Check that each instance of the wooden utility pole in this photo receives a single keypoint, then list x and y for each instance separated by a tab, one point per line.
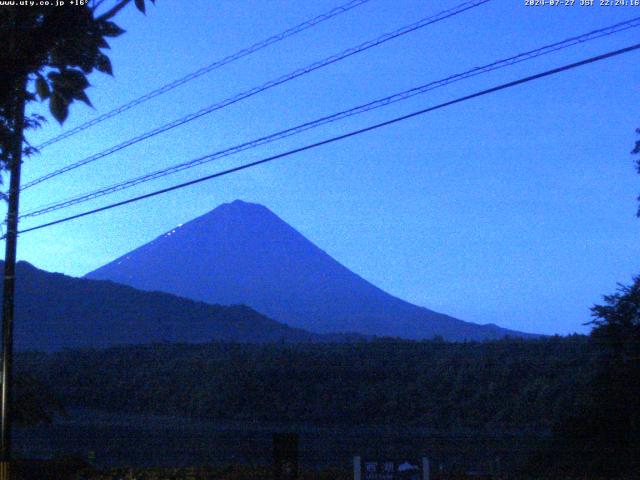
11	238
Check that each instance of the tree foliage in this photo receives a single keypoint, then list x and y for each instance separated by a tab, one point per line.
47	52
617	322
511	384
35	402
475	399
635	151
601	437
616	389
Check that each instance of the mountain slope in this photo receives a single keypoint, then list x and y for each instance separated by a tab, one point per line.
54	311
242	253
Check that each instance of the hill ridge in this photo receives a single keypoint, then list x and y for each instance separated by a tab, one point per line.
55	311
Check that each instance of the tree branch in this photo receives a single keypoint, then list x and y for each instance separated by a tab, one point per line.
116	8
96	4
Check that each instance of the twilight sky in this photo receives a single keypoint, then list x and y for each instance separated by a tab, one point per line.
516	208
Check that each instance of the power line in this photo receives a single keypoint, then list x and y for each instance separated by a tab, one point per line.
617	28
266	86
209	68
343	136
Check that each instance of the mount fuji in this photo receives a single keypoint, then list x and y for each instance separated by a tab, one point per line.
242	253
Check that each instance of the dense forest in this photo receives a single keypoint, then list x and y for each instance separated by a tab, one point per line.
553	407
513	385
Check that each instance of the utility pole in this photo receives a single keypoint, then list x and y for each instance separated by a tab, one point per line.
11	238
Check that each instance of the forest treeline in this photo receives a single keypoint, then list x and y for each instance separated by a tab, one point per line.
514	385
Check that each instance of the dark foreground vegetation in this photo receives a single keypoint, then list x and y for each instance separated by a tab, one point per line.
513	385
549	407
76	469
463	403
236	472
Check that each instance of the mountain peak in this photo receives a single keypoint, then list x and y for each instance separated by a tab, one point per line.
240	205
238	209
243	253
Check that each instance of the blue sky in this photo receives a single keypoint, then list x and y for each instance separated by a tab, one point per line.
516	208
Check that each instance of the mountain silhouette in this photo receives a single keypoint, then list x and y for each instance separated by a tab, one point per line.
54	311
242	253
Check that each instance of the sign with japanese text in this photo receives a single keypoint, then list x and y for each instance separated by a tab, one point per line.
391	470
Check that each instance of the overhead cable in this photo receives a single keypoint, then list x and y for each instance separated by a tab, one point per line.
266	86
204	70
617	28
353	133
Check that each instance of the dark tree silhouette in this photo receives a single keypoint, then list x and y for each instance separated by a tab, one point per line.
635	151
617	383
602	438
46	52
